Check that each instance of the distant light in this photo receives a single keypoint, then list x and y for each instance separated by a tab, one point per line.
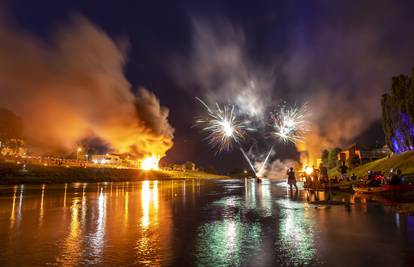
150	163
308	170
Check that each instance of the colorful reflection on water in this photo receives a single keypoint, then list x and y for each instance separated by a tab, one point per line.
199	222
296	233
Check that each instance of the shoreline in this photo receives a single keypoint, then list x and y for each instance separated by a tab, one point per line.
11	174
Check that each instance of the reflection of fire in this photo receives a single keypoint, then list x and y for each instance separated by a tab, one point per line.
150	163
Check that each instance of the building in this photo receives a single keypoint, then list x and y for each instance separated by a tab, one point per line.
13	148
188	166
363	154
111	159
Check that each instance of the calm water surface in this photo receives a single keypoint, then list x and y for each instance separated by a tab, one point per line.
196	223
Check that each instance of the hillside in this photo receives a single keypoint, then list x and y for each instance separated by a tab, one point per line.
403	161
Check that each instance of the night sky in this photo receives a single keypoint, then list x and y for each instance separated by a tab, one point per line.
348	49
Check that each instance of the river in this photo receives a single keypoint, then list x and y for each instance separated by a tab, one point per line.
197	223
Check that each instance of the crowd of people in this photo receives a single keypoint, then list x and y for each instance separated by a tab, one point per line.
320	177
378	178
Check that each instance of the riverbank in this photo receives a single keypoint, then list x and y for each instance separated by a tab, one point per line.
38	174
403	161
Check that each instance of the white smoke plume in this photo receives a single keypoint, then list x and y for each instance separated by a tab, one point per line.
220	67
277	169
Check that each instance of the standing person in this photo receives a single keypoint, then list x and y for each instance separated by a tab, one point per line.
343	170
323	173
292	179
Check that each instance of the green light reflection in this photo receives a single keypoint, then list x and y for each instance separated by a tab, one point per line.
296	232
224	243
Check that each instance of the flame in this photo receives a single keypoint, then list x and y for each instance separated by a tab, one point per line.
150	163
308	170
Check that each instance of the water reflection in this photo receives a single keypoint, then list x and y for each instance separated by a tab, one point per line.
196	222
71	248
296	233
154	239
149	203
96	241
225	243
231	236
64	195
12	219
41	210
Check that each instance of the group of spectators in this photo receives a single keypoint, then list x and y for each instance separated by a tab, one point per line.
319	177
377	178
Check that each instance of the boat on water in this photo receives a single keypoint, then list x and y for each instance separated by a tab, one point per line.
382	188
341	186
345	185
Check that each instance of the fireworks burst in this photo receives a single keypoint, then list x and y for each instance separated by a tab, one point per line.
291	123
222	126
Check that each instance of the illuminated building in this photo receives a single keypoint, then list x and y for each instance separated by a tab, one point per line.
13	148
111	159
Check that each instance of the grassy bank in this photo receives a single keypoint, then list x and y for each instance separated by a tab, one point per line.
404	161
37	174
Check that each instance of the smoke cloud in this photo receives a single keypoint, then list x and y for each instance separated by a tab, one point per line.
340	110
221	69
340	65
74	87
277	169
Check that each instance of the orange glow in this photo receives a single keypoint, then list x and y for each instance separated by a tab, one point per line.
150	163
308	170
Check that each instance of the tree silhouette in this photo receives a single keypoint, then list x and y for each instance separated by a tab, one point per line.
11	126
398	114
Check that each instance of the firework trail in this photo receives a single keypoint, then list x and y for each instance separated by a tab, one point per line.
248	161
290	123
222	126
265	162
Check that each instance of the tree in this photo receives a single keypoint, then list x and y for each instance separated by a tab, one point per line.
211	169
354	161
189	166
333	157
325	157
11	126
398	114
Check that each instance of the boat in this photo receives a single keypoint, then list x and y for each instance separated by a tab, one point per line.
382	189
314	188
341	186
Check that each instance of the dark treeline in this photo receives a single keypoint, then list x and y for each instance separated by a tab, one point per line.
398	114
11	126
